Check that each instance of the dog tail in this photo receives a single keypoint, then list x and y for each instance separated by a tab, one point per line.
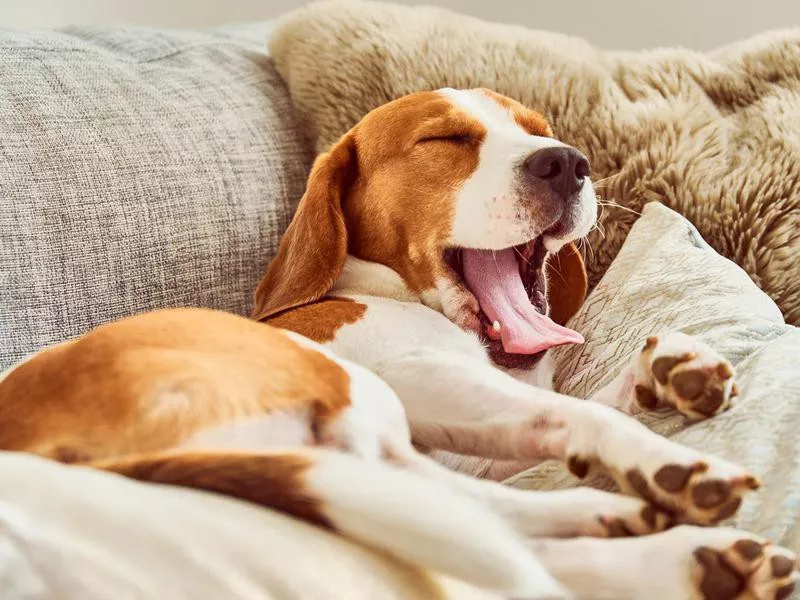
410	517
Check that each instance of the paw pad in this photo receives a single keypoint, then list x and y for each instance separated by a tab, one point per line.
664	365
782	566
749	550
647	521
578	466
673	478
742	571
718	582
710	494
645	397
690	493
686	374
615	527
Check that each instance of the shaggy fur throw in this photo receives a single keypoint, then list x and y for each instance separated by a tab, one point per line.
714	136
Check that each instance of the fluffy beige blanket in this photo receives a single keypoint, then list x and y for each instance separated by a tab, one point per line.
714	136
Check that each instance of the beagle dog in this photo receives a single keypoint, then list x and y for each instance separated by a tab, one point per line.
404	323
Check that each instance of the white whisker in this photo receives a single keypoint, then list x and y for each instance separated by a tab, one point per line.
613	204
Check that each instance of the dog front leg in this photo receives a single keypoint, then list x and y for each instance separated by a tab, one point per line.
463	405
562	513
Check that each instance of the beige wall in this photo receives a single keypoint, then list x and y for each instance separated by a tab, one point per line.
623	24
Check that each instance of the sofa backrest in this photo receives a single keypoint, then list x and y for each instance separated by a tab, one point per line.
139	169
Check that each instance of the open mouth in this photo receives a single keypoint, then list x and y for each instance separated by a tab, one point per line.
509	285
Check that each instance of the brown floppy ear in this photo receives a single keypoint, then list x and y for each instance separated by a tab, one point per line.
313	249
567	283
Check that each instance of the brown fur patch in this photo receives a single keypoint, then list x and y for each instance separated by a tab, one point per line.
401	216
272	480
530	120
413	152
359	197
149	382
313	249
321	320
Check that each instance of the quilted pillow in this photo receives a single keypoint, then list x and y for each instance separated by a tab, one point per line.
667	278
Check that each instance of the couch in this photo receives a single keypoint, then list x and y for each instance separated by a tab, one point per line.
145	168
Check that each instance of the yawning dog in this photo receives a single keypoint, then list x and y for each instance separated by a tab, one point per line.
427	271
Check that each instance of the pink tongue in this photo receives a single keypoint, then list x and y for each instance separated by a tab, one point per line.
493	276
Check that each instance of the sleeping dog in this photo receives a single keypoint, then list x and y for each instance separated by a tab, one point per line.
427	271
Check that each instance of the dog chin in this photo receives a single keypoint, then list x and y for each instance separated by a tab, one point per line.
510	361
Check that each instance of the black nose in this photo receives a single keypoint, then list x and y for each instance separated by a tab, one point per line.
563	168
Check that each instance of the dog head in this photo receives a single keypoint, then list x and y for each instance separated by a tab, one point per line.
465	194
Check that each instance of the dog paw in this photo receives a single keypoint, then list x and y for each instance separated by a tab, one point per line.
702	491
644	520
684	563
727	564
682	372
596	513
688	486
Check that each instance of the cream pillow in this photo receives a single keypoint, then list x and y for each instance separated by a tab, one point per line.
667	278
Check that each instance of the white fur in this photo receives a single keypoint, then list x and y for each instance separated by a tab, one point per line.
443	376
375	416
364	277
414	371
389	506
409	515
276	429
460	403
620	392
490	211
425	523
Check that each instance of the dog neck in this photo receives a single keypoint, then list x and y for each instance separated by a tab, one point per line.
365	278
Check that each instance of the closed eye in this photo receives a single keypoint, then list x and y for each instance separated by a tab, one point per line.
456	138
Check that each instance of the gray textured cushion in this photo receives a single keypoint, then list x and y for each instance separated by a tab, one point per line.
138	169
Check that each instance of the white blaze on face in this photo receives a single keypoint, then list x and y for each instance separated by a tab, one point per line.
490	213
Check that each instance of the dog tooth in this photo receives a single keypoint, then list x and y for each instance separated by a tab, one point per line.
496	325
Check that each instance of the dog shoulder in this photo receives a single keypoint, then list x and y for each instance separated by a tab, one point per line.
321	320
